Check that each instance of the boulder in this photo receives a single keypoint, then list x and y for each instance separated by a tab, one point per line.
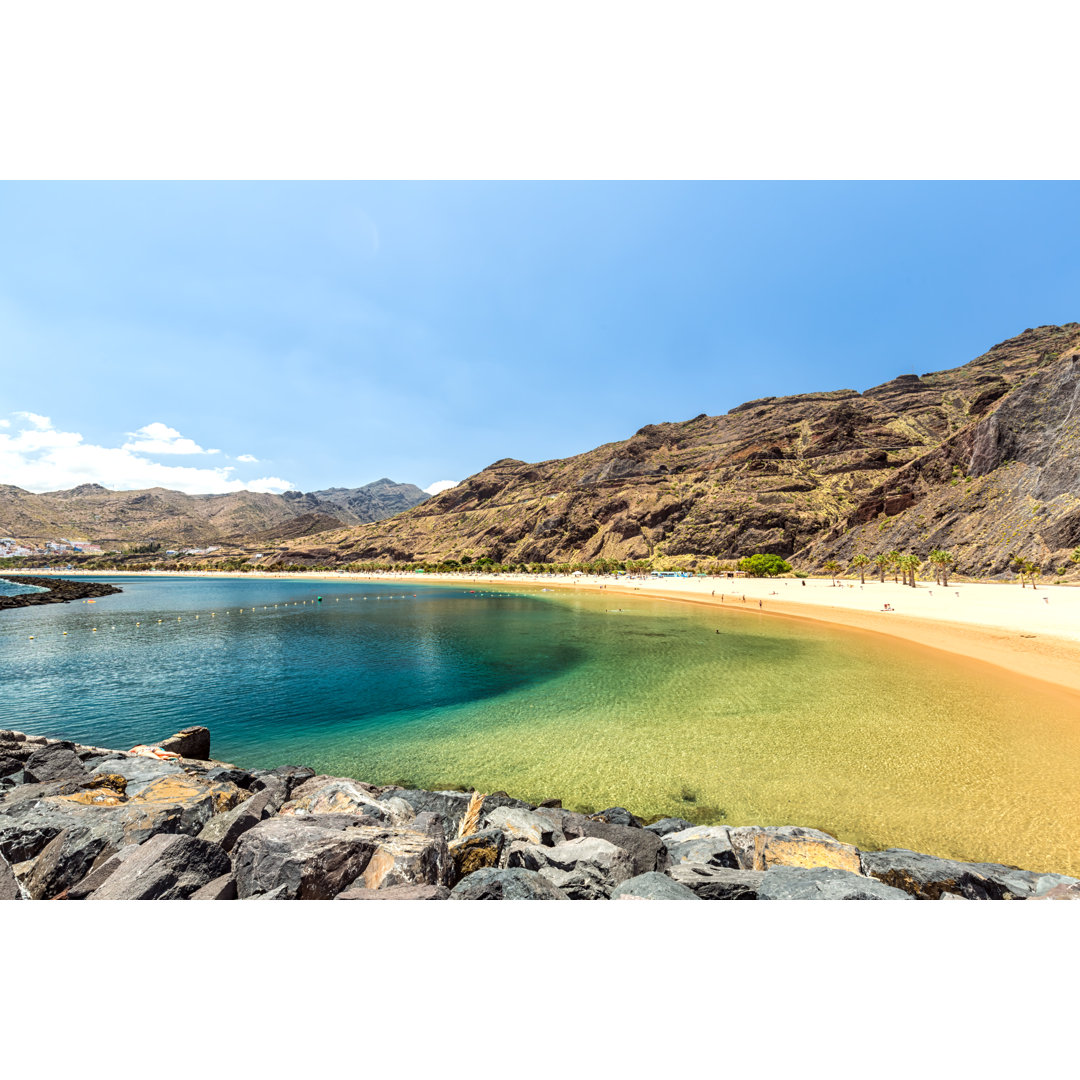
704	845
618	815
306	858
9	766
449	806
823	883
221	888
585	868
10	889
67	859
646	850
314	784
340	796
405	857
652	886
927	877
759	847
669	825
192	742
57	761
492	883
225	829
717	882
291	775
528	826
474	852
97	877
167	867
397	892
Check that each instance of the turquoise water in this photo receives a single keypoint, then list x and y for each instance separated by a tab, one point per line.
596	700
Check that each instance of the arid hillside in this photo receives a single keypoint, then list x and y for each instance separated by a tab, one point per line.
981	458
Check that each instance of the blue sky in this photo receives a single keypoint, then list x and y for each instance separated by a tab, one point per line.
340	332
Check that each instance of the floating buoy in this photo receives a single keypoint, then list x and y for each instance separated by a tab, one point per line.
138	624
94	629
31	637
65	633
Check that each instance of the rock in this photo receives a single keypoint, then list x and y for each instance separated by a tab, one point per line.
550	804
10	889
525	825
474	852
227	774
652	886
67	859
168	867
57	761
717	882
585	868
280	893
9	766
669	825
340	796
397	892
139	772
425	822
406	857
1070	891
313	784
823	883
646	850
97	877
492	883
706	845
450	806
307	858
759	847
291	775
221	888
225	829
192	742
927	877
618	815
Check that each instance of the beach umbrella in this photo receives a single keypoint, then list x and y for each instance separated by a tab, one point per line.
578	573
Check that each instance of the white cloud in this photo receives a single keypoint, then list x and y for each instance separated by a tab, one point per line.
40	458
441	485
247	457
159	438
5	423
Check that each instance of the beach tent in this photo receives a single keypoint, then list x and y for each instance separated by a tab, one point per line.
578	573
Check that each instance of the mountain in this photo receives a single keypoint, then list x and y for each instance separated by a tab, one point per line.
375	501
92	512
983	459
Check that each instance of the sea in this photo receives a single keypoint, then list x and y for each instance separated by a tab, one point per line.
668	709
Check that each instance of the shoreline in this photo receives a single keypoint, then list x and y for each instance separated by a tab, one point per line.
1033	633
58	591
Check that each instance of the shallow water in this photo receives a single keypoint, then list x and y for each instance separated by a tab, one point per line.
771	721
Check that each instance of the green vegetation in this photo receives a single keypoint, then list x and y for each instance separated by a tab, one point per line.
764	565
860	563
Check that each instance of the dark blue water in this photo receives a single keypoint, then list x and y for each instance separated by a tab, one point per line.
262	663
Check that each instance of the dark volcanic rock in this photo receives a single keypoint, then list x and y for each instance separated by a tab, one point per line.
307	858
292	776
450	806
169	867
102	871
139	772
60	591
515	884
822	883
191	742
708	845
669	825
57	761
717	882
927	877
225	829
652	886
585	868
646	850
67	859
617	815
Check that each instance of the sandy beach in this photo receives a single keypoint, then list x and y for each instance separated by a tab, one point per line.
1030	632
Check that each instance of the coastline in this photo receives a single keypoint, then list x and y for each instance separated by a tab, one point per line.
1033	633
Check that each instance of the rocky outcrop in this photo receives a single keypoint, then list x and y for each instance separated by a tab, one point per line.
84	823
57	591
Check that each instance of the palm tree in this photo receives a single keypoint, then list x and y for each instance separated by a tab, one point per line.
942	562
881	563
1033	571
910	564
894	565
832	568
860	563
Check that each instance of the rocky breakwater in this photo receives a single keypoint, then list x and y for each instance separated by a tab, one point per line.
60	591
167	822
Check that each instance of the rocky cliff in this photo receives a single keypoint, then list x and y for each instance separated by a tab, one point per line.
980	458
